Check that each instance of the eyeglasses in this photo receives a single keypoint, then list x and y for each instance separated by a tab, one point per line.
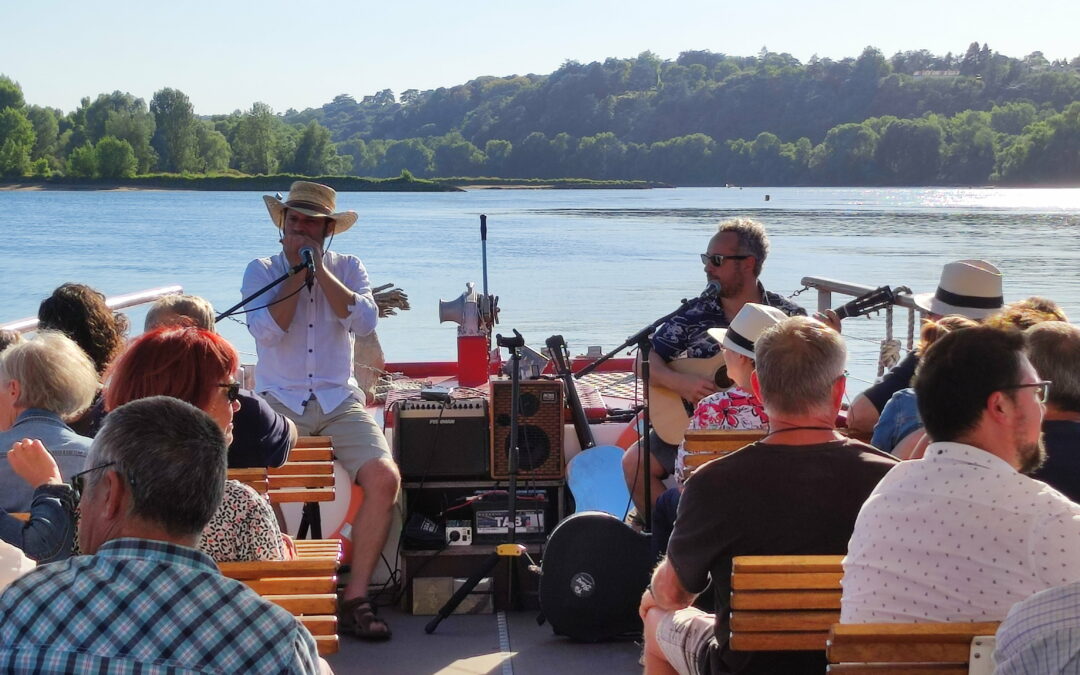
232	390
717	260
78	483
1042	389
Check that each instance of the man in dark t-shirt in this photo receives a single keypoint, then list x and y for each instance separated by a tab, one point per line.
797	492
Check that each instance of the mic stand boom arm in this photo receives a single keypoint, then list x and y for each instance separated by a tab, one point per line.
232	310
644	344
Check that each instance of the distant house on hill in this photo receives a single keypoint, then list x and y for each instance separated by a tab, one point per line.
919	74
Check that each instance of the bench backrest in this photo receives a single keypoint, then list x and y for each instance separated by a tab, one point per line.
705	445
784	603
308	475
911	647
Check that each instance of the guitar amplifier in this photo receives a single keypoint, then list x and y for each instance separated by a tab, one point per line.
540	429
435	440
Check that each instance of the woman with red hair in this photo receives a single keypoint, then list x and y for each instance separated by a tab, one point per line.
197	366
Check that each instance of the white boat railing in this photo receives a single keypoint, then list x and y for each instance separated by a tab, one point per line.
116	302
826	287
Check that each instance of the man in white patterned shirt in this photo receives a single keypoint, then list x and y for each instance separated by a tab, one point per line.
962	534
303	337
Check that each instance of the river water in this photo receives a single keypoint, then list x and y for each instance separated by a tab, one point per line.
592	265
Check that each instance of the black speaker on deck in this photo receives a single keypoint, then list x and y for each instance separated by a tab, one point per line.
435	440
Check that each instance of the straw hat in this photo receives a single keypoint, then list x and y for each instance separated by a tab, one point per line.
970	288
746	327
311	199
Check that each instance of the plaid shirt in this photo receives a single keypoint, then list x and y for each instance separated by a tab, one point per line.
142	606
687	332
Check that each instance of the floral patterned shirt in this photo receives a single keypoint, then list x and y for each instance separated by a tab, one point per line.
243	528
733	410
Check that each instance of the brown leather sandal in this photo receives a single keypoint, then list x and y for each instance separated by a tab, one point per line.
358	617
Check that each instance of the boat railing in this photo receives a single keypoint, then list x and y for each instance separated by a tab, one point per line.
116	302
903	298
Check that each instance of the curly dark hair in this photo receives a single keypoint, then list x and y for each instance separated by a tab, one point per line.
80	312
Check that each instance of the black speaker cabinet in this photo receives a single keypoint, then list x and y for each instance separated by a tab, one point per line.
436	441
540	429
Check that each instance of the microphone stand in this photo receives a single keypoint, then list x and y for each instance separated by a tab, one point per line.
232	310
642	340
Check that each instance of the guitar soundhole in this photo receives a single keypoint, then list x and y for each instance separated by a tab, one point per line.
721	378
534	447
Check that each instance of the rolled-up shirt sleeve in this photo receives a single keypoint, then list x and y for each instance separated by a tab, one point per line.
363	314
260	322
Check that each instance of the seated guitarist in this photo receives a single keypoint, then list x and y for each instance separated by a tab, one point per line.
734	259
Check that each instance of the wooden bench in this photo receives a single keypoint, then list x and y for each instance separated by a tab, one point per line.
305	587
307	477
705	445
865	649
784	602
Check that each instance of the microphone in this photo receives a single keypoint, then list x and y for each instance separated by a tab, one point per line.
307	256
711	290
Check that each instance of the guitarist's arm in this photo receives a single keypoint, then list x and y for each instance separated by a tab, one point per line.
690	387
830	318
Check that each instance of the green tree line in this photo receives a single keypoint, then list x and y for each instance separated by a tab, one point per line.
701	119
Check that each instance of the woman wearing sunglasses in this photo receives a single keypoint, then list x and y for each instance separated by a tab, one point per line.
197	366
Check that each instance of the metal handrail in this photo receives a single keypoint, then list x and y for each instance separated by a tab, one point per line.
116	302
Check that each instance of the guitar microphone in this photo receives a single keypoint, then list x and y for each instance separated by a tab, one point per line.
711	290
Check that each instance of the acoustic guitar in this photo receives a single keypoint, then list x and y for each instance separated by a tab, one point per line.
670	413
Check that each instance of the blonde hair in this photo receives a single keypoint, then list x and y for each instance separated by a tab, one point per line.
53	373
165	310
1024	314
798	360
932	330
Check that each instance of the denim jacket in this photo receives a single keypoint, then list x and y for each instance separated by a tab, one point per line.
49	534
67	448
899	417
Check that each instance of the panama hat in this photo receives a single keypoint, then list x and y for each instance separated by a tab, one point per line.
746	327
970	288
310	199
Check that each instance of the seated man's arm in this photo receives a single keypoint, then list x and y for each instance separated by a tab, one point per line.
665	591
49	533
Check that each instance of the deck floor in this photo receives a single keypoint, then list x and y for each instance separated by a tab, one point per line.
469	644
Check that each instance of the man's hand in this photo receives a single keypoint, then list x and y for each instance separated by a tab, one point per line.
33	463
291	244
829	318
693	388
648	601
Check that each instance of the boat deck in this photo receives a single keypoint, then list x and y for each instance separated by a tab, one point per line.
510	643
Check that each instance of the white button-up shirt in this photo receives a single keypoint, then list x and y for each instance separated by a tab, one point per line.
957	536
315	355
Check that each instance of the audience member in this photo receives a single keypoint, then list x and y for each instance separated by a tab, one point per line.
8	338
795	492
49	533
970	288
43	381
1041	634
900	416
1054	348
196	366
261	435
142	599
961	535
734	409
1024	314
80	312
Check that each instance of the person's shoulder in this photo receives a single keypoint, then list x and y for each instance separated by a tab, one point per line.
44	580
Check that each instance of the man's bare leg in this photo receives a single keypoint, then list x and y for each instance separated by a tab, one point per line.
655	661
380	481
633	470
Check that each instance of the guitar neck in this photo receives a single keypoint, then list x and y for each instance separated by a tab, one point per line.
556	346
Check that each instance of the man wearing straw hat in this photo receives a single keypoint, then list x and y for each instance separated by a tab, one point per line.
970	288
303	337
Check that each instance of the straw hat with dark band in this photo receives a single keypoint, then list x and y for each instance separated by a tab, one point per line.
751	321
970	288
310	199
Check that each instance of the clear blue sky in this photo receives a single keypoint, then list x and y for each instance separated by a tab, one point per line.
225	55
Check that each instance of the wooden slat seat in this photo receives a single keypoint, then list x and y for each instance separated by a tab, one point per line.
307	476
906	647
252	477
705	445
784	603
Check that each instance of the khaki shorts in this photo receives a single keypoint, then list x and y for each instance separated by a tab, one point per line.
357	438
683	637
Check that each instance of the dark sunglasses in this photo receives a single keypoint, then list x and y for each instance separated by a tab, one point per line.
717	260
1042	389
232	390
78	483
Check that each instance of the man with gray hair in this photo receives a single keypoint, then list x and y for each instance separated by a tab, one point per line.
732	262
797	491
143	598
1054	350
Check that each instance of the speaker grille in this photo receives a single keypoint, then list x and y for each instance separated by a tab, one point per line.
540	429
